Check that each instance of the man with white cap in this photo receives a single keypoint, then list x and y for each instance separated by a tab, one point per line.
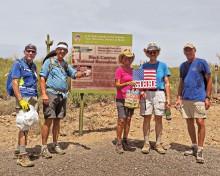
53	83
194	92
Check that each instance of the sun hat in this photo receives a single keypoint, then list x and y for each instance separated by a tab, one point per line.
189	45
152	47
30	47
126	52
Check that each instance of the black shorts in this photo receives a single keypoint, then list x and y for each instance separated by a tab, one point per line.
56	107
123	112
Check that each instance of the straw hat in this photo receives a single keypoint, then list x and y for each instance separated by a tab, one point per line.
126	52
152	47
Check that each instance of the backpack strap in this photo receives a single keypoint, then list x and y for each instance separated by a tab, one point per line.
185	70
52	64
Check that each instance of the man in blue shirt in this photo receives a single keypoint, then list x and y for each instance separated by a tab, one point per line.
53	83
194	96
24	84
156	98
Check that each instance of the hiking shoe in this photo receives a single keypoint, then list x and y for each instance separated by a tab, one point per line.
159	148
192	151
126	146
16	153
199	157
45	153
146	148
23	160
119	148
58	150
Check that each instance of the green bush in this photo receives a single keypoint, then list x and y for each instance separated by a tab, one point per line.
5	65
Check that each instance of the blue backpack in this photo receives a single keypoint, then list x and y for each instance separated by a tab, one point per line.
9	81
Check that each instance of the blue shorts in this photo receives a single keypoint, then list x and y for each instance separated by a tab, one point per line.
123	112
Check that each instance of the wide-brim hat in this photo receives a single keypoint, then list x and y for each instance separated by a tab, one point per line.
126	52
152	47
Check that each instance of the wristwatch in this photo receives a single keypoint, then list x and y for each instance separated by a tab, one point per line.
208	97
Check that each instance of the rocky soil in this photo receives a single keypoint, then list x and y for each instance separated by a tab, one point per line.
94	152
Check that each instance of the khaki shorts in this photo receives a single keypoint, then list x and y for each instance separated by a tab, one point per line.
153	104
31	100
192	109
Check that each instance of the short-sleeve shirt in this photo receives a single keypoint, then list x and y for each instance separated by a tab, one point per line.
124	77
27	77
57	77
161	71
192	74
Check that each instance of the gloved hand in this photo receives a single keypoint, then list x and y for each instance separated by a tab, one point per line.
24	105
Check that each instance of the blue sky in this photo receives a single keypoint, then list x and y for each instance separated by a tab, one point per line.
170	24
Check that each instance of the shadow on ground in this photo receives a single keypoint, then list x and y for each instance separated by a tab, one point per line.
35	152
96	130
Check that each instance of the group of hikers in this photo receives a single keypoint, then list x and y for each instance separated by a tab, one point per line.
193	97
54	90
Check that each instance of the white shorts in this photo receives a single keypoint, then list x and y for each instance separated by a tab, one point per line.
153	104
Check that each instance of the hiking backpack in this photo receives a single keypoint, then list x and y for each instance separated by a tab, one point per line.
9	80
50	55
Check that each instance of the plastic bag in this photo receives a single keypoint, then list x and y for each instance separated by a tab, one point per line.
26	120
132	99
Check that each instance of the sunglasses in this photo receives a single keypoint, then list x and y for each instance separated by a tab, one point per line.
127	58
29	51
152	52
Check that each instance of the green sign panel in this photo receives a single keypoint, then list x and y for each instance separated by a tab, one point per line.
85	38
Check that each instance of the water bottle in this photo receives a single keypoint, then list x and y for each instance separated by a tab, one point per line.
168	114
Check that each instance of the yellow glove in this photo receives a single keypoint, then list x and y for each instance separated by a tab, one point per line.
24	105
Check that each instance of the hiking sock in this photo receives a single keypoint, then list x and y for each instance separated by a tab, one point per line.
158	139
17	147
195	145
22	150
119	142
146	139
200	149
43	147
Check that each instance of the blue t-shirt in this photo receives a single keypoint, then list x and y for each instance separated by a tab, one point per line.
161	71
192	74
27	77
57	77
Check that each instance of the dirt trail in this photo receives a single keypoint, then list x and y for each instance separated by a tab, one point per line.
94	152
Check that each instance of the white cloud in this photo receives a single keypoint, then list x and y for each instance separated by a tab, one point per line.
169	23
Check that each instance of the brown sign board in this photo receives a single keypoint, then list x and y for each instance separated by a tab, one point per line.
96	54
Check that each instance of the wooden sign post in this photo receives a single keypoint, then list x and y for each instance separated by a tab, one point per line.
216	78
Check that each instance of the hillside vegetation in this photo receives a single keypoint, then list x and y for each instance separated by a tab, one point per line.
5	65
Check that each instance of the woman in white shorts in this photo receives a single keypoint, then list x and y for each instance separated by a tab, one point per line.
155	98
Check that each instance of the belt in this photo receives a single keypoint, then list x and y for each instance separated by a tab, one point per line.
28	88
58	90
155	90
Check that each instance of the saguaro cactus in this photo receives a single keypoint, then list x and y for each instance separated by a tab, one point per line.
48	43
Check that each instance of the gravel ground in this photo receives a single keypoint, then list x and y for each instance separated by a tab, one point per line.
100	158
94	152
